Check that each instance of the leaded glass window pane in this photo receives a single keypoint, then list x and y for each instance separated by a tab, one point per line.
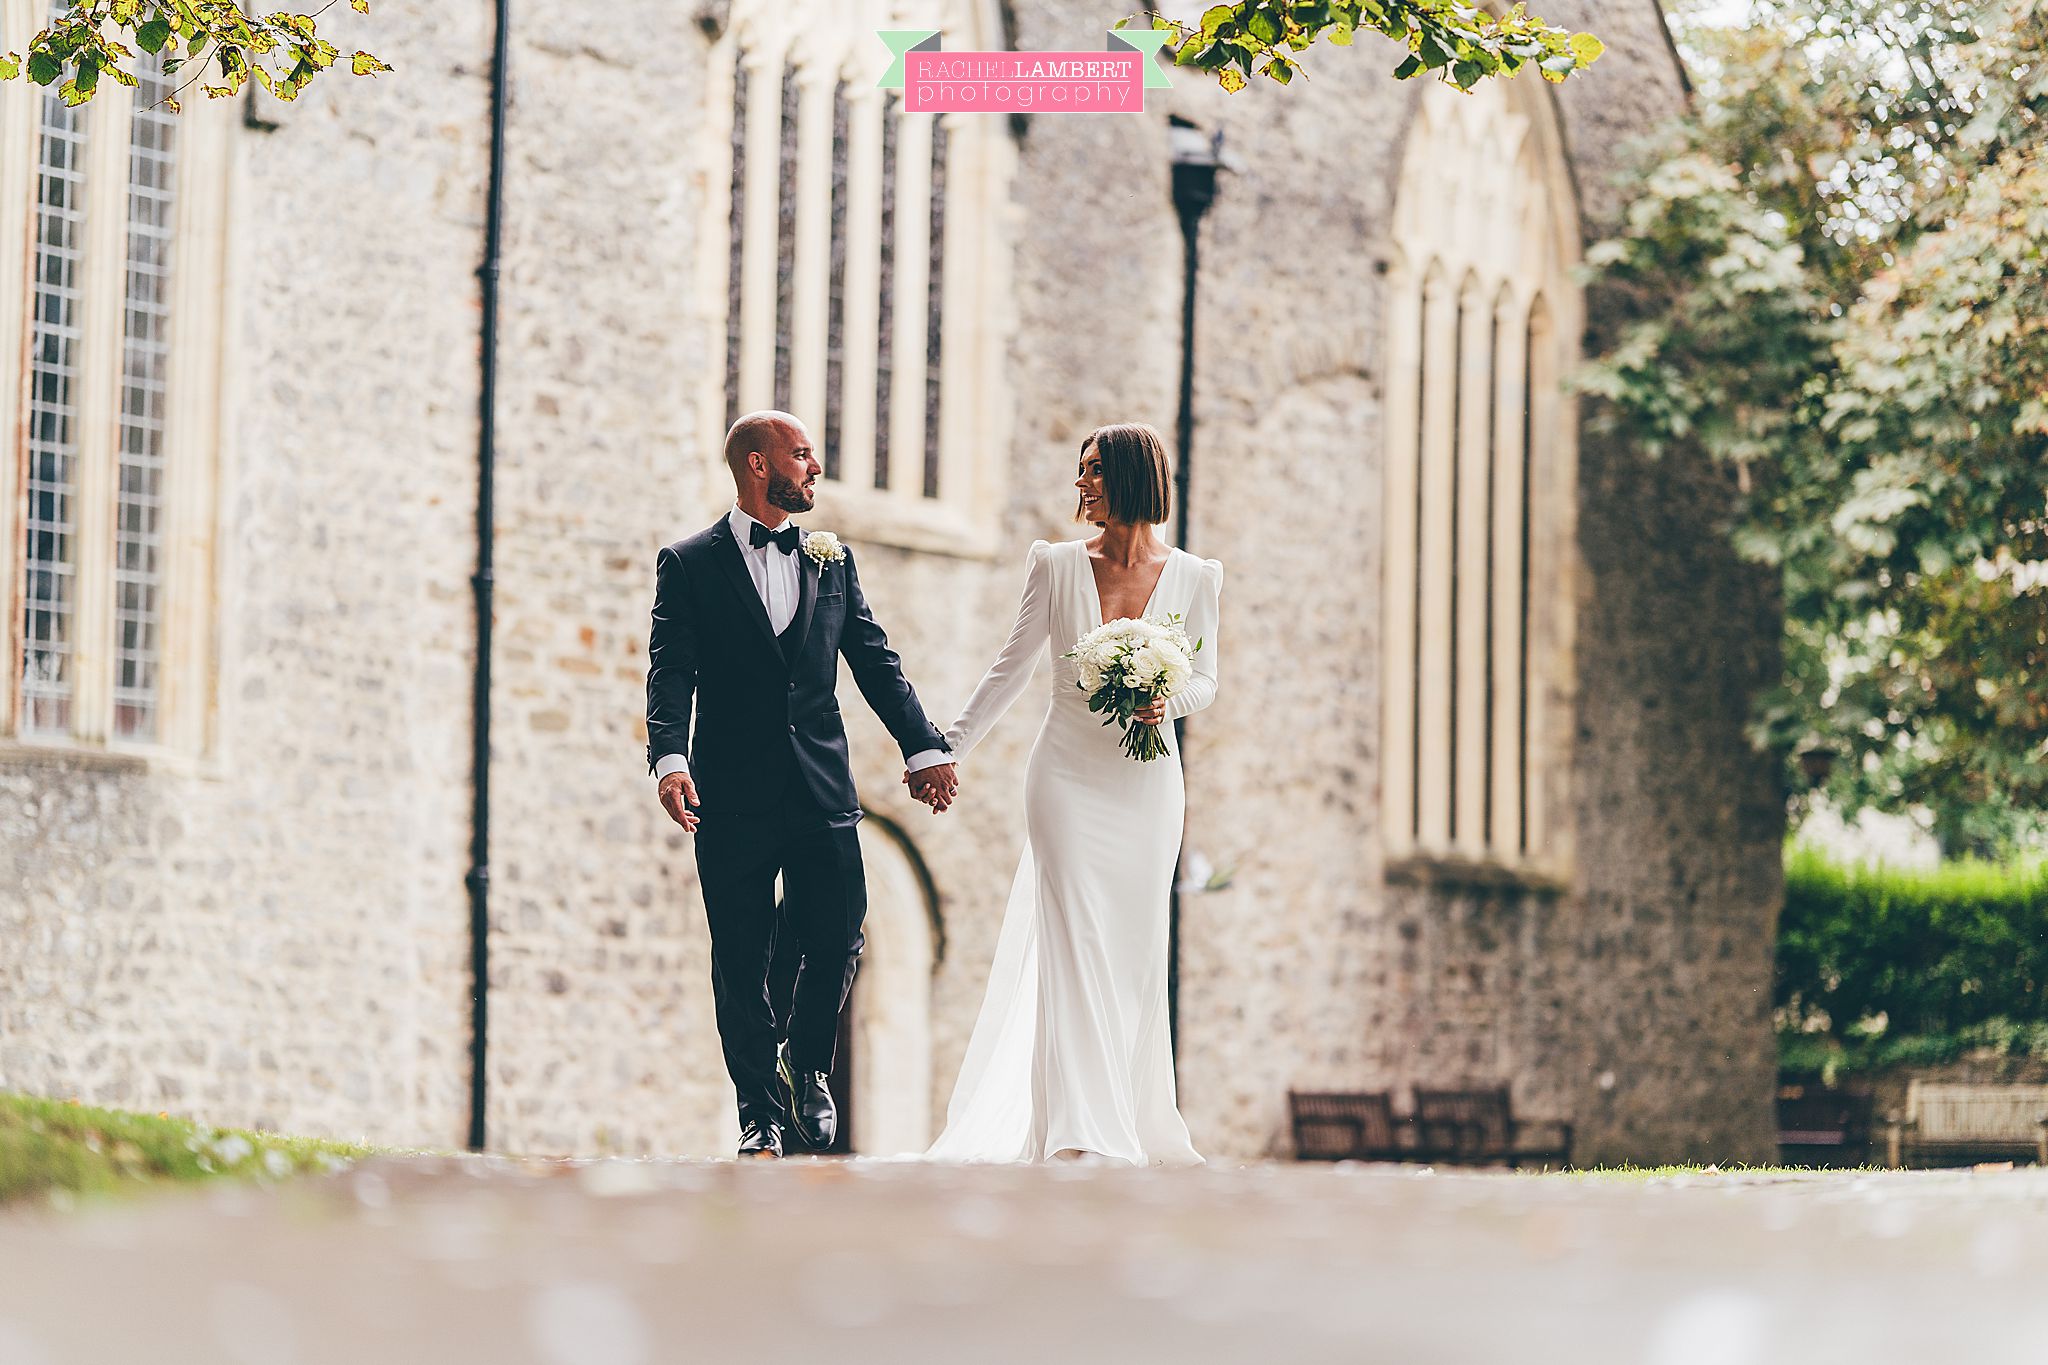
935	294
138	522
885	339
785	236
736	222
50	586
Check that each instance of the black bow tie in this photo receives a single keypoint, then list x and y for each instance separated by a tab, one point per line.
783	540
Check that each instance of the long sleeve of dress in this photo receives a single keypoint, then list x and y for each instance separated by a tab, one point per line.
1204	623
1009	676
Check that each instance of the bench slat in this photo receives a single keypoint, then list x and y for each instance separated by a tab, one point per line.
1942	1111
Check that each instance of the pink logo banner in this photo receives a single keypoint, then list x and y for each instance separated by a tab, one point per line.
1006	82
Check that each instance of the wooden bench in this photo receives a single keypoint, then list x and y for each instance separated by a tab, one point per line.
1331	1126
1945	1119
1832	1127
1480	1128
1456	1127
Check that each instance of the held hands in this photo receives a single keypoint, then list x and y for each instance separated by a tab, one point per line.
678	795
935	786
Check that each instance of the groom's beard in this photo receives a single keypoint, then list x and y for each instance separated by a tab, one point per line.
789	495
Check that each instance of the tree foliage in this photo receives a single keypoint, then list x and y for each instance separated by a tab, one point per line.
1837	285
217	45
1455	42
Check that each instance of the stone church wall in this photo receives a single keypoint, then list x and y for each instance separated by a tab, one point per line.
280	935
273	932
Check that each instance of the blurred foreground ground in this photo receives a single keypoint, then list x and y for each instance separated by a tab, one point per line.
624	1262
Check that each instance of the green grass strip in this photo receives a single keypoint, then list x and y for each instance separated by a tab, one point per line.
51	1145
1626	1171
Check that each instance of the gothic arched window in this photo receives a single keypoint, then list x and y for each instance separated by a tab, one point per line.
860	247
1479	464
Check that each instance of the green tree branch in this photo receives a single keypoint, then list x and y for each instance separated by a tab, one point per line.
281	51
1457	43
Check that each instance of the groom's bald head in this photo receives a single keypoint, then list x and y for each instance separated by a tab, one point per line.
770	456
761	433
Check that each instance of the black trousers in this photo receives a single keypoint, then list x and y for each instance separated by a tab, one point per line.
812	941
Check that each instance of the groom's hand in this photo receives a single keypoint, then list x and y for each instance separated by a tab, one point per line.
678	794
936	786
921	790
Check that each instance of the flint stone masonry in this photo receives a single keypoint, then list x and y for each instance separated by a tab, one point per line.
275	933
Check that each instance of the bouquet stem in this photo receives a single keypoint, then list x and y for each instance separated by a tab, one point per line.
1144	742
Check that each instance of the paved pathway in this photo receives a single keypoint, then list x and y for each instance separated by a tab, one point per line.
644	1262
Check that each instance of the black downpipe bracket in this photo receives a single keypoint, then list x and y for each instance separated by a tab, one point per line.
1195	160
479	879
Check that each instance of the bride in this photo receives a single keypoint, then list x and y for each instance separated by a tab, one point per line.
1070	1055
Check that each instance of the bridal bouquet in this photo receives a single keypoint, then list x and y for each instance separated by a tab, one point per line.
1127	664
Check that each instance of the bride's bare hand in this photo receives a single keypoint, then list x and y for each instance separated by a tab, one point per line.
1152	713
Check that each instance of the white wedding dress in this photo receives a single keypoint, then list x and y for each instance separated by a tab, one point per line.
1071	1048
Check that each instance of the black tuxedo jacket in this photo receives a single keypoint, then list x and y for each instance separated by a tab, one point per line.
764	705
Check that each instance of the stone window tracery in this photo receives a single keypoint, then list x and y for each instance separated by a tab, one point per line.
106	516
1479	465
862	249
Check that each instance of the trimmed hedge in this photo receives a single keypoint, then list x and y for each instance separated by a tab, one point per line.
1823	1055
1934	952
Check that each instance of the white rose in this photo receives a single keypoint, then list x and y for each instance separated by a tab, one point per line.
1173	666
1145	665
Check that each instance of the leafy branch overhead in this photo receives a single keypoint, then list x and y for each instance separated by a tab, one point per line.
1456	42
218	45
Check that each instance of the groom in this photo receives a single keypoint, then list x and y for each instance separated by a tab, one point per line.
750	618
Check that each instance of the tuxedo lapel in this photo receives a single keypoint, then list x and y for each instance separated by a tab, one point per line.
726	550
806	603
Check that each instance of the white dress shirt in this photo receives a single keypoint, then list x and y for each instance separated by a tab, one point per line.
775	576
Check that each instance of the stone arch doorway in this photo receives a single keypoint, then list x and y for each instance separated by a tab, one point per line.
882	1073
886	1033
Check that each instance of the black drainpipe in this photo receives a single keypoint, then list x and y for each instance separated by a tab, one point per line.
1195	159
479	879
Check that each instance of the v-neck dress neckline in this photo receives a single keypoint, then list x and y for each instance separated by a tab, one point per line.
1095	591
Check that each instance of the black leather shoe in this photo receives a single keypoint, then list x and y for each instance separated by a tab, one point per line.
814	1118
760	1138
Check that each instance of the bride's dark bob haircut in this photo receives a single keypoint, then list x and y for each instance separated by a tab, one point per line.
1137	483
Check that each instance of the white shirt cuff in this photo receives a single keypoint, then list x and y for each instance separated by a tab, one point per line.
929	758
670	763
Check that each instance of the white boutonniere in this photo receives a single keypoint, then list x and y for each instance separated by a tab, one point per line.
824	547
